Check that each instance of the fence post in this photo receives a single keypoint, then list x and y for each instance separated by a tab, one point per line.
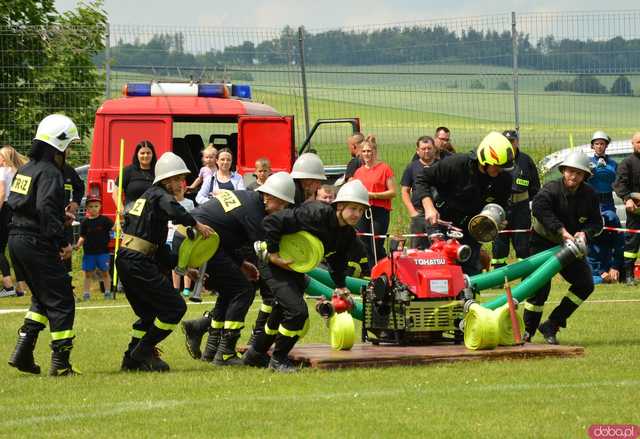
514	43
107	62
305	98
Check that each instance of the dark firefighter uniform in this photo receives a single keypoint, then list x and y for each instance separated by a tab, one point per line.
627	182
236	216
36	237
554	207
459	191
525	186
143	261
73	193
289	319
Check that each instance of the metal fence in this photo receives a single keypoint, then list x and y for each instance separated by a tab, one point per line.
556	77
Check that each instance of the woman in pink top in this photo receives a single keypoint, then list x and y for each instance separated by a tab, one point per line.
378	178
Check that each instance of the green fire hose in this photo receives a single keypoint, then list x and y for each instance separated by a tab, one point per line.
564	255
353	283
512	271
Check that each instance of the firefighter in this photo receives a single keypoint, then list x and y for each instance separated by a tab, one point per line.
334	226
237	218
564	209
144	263
458	187
308	174
627	187
525	185
38	247
604	170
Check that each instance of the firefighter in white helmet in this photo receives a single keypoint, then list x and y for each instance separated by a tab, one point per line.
334	226
237	217
564	209
38	247
143	261
308	174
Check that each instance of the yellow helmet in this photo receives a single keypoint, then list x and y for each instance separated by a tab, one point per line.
495	149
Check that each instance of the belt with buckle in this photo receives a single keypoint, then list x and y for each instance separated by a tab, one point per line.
138	244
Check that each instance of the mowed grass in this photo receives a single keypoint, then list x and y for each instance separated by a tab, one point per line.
554	397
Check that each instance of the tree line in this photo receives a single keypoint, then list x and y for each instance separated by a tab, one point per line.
392	45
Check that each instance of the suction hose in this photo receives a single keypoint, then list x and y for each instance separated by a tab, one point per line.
568	252
353	283
512	271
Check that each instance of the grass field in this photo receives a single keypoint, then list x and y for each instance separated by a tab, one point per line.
555	398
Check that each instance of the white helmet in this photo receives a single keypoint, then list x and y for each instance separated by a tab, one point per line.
58	131
169	165
600	135
310	166
280	185
577	160
353	192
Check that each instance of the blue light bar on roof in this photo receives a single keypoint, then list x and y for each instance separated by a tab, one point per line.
242	91
210	90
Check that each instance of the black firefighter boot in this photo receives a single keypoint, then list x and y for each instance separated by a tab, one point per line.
148	354
280	358
256	354
258	329
213	341
60	365
629	272
128	363
193	331
226	355
549	329
22	356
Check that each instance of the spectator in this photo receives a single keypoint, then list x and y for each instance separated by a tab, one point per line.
209	156
378	178
10	161
263	171
177	279
442	137
442	143
355	148
223	179
606	252
427	155
326	193
95	234
139	175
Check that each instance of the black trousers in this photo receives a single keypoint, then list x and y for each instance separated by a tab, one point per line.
290	312
519	217
632	240
150	294
68	235
579	276
235	291
380	220
52	298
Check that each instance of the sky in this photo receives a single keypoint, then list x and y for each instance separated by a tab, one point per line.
322	14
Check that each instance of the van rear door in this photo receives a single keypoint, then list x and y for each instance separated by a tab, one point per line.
266	136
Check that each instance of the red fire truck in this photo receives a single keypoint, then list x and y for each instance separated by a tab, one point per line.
181	117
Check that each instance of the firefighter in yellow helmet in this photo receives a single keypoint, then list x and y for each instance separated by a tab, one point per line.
457	188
